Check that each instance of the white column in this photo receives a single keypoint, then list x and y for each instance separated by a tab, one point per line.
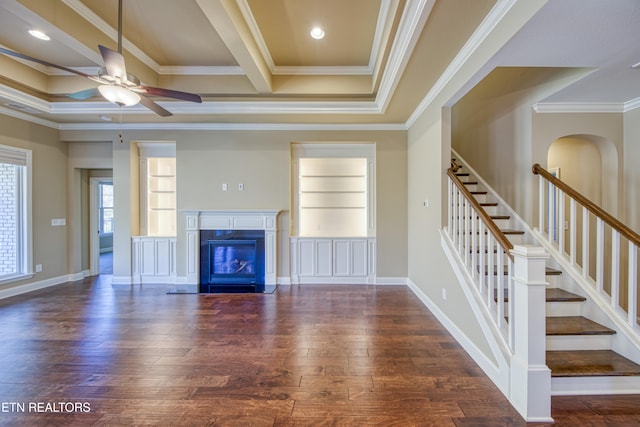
193	249
530	379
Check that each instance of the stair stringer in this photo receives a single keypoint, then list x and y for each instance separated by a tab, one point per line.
498	372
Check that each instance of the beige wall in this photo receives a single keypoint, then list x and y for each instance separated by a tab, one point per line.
604	130
631	170
579	164
261	161
49	180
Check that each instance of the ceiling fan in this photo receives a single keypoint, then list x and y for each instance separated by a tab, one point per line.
115	84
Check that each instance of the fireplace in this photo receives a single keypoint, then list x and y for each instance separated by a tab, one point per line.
262	226
232	261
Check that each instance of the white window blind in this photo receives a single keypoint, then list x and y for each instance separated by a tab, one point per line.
13	156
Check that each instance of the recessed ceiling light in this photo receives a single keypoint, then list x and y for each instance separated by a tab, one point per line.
317	33
39	35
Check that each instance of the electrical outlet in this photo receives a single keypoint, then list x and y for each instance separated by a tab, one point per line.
38	268
240	187
224	187
425	203
444	294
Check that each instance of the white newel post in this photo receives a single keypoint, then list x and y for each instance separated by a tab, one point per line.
530	379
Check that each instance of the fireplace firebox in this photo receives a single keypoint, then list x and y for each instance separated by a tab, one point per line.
232	261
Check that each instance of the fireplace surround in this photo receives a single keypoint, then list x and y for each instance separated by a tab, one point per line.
234	225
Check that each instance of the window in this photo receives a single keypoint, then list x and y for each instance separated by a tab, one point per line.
15	212
105	206
333	191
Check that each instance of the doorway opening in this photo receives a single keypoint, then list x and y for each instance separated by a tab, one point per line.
101	226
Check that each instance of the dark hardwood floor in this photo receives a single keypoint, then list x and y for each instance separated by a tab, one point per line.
101	354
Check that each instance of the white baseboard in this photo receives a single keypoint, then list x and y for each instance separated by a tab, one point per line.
41	284
500	379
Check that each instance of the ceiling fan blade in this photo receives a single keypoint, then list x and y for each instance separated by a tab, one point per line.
114	63
40	61
154	107
85	94
157	91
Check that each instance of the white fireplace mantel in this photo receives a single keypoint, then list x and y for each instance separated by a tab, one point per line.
230	220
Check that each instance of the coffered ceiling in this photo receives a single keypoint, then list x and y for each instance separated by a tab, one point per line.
254	61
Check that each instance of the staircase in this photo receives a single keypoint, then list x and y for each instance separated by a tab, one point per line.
579	349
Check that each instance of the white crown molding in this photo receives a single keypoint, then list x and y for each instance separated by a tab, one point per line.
413	19
234	126
579	107
485	28
223	107
24	100
200	70
632	105
321	71
28	118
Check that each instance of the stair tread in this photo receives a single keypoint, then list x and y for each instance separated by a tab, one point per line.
478	192
489	204
575	325
510	231
552	272
557	294
580	363
548	271
470	182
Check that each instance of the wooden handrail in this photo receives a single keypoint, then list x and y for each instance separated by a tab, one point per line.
484	216
625	231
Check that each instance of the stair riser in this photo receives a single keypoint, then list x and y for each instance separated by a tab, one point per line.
573	386
517	239
563	308
553	280
491	210
481	198
578	342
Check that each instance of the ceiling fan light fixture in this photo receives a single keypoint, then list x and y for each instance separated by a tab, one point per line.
119	95
317	33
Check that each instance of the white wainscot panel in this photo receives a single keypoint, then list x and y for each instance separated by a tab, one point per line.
154	259
325	260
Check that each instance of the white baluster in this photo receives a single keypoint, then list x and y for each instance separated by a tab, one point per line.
450	207
599	254
633	285
585	242
467	233
615	268
541	202
491	270
500	285
572	231
482	262
560	221
474	243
